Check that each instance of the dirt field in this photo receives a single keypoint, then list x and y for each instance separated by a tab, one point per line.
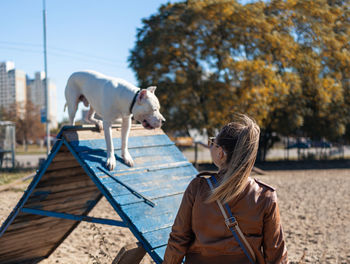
314	205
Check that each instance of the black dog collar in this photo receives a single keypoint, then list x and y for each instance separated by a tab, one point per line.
133	101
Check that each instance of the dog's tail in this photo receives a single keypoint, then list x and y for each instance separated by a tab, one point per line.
65	106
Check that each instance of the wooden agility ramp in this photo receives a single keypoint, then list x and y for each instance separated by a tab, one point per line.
74	178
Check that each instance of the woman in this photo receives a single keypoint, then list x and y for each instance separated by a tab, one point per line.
199	232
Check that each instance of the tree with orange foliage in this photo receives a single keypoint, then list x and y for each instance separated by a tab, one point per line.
285	63
27	119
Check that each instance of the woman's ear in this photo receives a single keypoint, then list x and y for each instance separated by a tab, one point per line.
222	156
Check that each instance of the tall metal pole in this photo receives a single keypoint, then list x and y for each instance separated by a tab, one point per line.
46	85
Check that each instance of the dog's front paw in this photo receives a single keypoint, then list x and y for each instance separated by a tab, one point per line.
128	159
111	163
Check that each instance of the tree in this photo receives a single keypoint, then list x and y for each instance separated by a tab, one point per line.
27	119
322	33
29	123
270	60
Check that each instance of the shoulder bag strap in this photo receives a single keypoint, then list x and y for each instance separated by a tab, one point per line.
232	224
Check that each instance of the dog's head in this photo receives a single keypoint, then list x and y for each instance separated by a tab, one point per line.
146	109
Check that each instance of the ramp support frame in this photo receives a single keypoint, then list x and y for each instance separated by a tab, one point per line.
74	217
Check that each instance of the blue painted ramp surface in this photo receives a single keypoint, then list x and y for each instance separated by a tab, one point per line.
74	178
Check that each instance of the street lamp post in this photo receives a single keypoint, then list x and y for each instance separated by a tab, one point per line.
46	85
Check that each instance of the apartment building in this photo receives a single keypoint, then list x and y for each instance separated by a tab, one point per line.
5	67
13	88
4	85
17	87
36	94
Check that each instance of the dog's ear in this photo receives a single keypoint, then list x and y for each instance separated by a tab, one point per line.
152	89
143	95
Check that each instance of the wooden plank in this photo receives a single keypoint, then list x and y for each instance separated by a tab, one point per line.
69	207
38	224
147	218
159	237
140	171
21	260
65	205
93	134
133	143
146	165
143	158
156	191
46	194
32	220
46	241
134	176
143	181
24	256
62	197
16	240
21	241
40	240
63	180
25	252
63	156
55	165
66	186
63	172
153	182
23	218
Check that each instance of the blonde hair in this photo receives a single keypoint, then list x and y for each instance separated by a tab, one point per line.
240	141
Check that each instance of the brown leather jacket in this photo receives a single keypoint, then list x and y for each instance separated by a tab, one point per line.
199	231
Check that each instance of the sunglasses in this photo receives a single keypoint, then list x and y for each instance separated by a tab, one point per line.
211	142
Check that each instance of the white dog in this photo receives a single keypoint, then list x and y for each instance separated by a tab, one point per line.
112	98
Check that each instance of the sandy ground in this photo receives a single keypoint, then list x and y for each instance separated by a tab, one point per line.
314	205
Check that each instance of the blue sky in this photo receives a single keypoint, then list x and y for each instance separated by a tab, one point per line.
81	34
